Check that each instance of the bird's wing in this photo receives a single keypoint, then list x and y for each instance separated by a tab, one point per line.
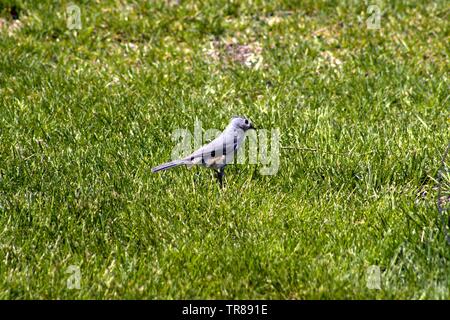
225	144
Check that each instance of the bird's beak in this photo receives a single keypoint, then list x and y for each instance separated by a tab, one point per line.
252	127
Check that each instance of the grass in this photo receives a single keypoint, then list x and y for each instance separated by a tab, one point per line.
85	114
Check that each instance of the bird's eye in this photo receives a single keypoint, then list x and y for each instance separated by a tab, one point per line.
246	121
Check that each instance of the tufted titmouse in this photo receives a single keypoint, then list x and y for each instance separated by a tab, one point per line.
219	152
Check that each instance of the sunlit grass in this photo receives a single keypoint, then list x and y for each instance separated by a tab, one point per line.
85	114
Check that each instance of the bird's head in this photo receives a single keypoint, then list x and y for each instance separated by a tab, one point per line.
242	123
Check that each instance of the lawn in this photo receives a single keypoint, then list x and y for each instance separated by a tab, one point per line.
88	107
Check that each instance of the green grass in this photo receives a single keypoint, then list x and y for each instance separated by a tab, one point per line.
85	114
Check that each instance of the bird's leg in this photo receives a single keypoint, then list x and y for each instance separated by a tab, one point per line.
220	173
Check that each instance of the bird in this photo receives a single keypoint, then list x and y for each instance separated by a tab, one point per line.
219	152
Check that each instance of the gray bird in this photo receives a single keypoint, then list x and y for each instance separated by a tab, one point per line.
219	152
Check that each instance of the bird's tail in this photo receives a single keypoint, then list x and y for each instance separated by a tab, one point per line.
168	165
